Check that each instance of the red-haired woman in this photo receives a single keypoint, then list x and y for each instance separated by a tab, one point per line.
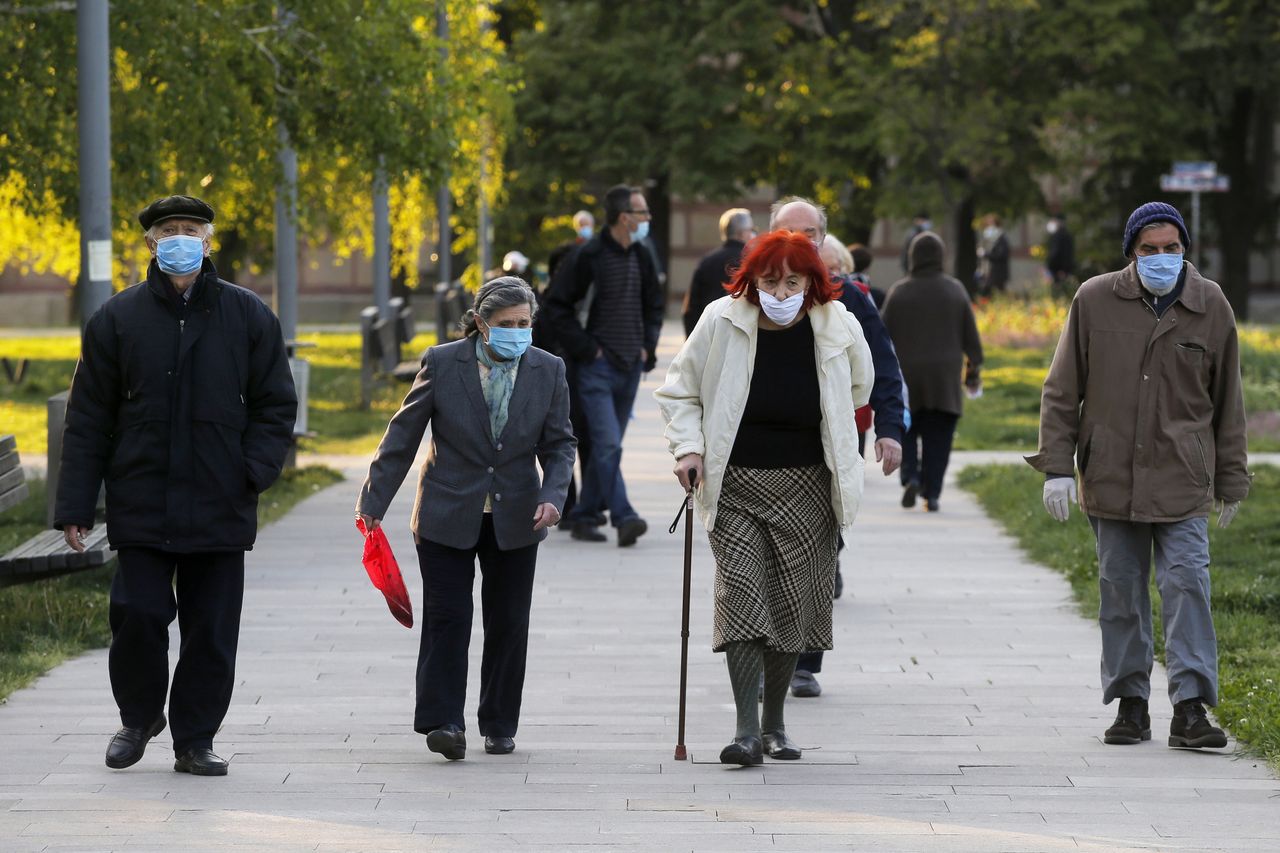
759	407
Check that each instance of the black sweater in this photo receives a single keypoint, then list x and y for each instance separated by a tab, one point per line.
781	424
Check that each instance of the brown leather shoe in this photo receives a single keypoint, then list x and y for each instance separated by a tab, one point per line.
128	744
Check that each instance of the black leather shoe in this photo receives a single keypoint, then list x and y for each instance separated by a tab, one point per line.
804	685
499	745
931	504
1191	728
128	744
587	532
200	761
631	530
781	747
449	741
744	751
909	493
1132	724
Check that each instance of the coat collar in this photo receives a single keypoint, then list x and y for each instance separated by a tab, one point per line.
468	366
1129	286
830	332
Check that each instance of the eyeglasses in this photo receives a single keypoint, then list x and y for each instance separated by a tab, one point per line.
638	212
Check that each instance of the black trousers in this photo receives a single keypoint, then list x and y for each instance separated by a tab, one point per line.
506	591
578	419
205	592
927	450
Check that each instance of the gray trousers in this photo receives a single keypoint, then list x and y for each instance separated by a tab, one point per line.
1182	575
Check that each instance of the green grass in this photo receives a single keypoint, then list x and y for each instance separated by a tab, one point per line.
46	622
1245	574
334	412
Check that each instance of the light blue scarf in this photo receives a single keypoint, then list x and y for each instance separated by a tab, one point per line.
497	386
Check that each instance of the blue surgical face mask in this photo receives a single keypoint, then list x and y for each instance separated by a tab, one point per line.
1159	273
585	232
509	343
642	231
180	254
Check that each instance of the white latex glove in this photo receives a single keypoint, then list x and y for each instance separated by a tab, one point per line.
1059	495
1226	511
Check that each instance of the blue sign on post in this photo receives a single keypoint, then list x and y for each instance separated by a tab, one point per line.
1195	168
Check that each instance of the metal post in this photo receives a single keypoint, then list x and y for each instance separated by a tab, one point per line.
444	200
381	243
1195	228
286	247
93	100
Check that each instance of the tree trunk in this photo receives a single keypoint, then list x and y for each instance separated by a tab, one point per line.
1247	145
965	243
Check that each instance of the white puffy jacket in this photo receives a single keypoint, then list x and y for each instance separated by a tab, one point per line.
708	382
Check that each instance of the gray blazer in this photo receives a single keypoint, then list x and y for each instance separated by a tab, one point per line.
465	462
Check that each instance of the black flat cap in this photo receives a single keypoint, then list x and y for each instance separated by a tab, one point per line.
175	207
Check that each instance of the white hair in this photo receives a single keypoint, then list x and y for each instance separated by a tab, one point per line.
154	230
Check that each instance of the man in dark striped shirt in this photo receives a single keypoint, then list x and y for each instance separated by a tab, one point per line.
605	305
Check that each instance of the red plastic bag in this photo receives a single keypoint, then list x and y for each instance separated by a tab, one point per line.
383	570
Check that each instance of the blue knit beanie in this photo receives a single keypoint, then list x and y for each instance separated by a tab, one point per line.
1149	214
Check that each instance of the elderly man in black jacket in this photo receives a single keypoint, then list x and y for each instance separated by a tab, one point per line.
183	403
716	267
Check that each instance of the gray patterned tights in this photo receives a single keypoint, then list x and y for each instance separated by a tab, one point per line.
746	661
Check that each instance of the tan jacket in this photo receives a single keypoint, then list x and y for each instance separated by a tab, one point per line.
709	380
1152	409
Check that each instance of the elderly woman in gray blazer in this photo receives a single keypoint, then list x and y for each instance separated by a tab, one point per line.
496	406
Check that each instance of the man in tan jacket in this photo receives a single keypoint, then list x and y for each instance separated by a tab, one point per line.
1144	394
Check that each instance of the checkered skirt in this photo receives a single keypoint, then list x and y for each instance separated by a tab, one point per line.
774	542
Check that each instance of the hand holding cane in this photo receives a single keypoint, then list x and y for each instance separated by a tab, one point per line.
687	509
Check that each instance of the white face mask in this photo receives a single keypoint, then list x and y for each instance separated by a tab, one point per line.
781	311
991	232
1052	226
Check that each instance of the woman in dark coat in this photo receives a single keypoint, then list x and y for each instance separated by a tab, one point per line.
498	409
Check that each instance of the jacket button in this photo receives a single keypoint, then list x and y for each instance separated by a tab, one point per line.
497	497
1144	377
489	470
499	445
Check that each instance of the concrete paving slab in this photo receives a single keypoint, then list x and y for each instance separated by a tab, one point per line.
960	712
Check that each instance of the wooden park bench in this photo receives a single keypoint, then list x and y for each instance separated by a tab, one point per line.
46	554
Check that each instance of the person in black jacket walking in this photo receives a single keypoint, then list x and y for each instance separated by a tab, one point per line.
717	267
183	403
605	308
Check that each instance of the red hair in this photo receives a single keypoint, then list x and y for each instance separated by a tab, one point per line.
769	253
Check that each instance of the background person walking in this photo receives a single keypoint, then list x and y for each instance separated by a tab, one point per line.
1144	392
931	321
605	307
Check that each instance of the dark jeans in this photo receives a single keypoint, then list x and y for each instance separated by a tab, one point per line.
205	592
506	590
608	395
927	450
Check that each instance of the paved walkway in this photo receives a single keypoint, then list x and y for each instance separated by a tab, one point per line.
961	712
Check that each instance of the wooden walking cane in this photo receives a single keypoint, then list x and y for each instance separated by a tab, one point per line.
681	754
